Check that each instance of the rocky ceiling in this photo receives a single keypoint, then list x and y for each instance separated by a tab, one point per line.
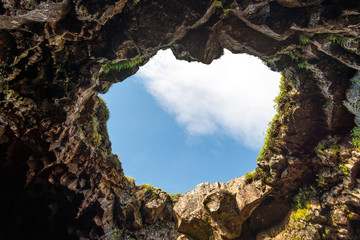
58	177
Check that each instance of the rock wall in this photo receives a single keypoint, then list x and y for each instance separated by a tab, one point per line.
58	177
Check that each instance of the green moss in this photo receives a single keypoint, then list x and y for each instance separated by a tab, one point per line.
355	133
321	181
326	232
80	129
96	130
116	234
332	218
130	179
94	119
226	12
268	140
282	92
249	177
103	110
121	65
344	169
320	148
283	105
96	137
293	56
175	197
303	65
301	213
149	187
218	3
152	191
273	60
335	148
328	106
271	131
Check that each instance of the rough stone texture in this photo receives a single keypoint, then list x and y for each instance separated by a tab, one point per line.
58	177
218	210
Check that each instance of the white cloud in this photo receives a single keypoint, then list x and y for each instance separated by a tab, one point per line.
233	96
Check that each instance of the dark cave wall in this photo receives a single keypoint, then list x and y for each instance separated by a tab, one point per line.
59	178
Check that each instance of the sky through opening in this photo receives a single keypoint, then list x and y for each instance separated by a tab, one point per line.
176	124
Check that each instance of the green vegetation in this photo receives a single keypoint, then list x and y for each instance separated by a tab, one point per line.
151	191
270	140
332	218
130	179
103	110
273	60
328	106
320	148
96	136
301	199
301	213
304	39
175	197
355	133
321	181
293	56
116	234
218	3
326	232
302	65
249	177
335	149
119	66
95	130
335	39
149	187
345	43
283	91
305	65
302	207
226	12
80	129
344	169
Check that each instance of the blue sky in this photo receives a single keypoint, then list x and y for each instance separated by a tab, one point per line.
176	124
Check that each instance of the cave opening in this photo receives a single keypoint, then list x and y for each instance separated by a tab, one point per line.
176	124
61	180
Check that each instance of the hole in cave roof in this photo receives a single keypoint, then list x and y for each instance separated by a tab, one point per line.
176	124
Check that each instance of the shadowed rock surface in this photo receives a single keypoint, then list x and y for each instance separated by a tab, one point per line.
58	177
